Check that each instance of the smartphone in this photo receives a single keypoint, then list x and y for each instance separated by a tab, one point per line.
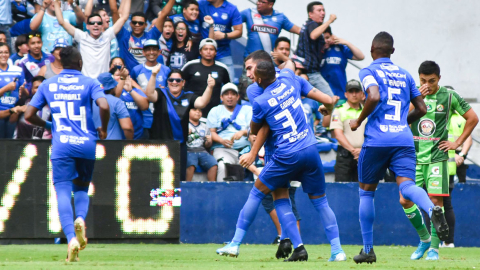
119	67
16	79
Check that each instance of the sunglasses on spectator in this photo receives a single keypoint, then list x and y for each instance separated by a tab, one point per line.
36	35
137	22
96	22
177	80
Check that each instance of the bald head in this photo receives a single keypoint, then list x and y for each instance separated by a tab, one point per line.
71	58
382	45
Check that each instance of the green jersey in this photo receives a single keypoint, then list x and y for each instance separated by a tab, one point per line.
432	128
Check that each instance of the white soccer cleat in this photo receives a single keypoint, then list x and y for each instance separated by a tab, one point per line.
232	250
80	232
72	251
339	257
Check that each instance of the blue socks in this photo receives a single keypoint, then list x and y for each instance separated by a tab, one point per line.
288	221
411	192
329	223
367	216
248	213
81	201
65	211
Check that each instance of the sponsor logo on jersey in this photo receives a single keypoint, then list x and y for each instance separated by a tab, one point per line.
68	80
384	128
426	127
410	216
272	102
63	138
214	74
185	102
397	128
284	95
334	60
389	67
429	107
265	29
380	73
440	108
435	183
71	87
53	87
224	16
279	89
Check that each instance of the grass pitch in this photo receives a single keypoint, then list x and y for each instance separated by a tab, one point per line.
151	256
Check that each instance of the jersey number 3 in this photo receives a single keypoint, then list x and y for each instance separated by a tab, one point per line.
396	103
62	105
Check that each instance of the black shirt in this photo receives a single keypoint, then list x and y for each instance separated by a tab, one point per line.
161	127
179	56
196	76
311	50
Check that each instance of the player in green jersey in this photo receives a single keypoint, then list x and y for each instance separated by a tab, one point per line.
430	134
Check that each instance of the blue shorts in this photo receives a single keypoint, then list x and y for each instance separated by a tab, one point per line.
374	161
70	168
304	166
202	159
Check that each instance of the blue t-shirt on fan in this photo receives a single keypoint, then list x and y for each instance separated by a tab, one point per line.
131	47
193	26
70	96
334	63
280	106
8	100
117	111
224	17
387	125
136	115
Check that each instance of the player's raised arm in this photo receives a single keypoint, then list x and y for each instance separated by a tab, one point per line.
370	104
419	109
65	24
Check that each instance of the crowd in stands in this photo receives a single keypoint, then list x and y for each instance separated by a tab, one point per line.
167	69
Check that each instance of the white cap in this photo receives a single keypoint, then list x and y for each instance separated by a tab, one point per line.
229	86
208	41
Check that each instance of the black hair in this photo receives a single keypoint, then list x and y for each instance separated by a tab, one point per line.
258	56
265	70
168	20
22	39
3	33
383	43
328	30
282	39
312	4
5	44
139	14
38	78
33	34
175	70
428	68
94	15
70	58
111	60
187	36
187	3
271	1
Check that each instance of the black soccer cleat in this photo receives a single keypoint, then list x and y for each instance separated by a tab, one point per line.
299	254
440	223
364	257
284	248
276	241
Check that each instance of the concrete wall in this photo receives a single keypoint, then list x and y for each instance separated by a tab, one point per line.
439	30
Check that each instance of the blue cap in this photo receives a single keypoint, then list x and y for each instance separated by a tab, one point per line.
107	80
151	43
60	43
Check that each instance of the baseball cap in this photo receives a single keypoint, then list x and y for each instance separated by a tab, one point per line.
229	86
107	80
151	43
208	41
353	84
60	43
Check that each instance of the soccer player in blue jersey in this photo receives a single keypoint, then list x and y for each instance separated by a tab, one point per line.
295	157
388	139
69	96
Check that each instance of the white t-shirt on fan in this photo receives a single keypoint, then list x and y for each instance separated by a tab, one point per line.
95	52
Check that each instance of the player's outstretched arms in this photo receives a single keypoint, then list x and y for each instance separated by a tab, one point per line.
419	109
104	116
261	130
370	105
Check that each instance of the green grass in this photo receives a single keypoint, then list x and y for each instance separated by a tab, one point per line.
123	256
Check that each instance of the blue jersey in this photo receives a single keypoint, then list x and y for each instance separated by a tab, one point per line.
51	30
193	26
69	96
136	115
32	66
280	106
333	67
131	47
310	108
117	111
272	25
387	124
224	17
254	90
12	73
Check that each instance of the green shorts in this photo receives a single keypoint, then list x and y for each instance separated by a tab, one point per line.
434	176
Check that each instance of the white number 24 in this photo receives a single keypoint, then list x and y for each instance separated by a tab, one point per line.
62	105
396	103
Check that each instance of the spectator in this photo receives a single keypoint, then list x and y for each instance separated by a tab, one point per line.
174	104
350	142
190	17
36	58
95	45
197	72
46	22
25	130
335	59
180	54
228	123
135	102
225	16
199	138
21	10
281	51
6	19
21	46
3	37
455	130
52	69
166	41
264	25
311	43
131	43
120	126
11	80
20	28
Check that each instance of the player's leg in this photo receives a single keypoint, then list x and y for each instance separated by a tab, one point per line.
64	171
269	207
415	216
449	215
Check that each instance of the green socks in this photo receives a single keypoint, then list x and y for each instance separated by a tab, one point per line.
416	218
